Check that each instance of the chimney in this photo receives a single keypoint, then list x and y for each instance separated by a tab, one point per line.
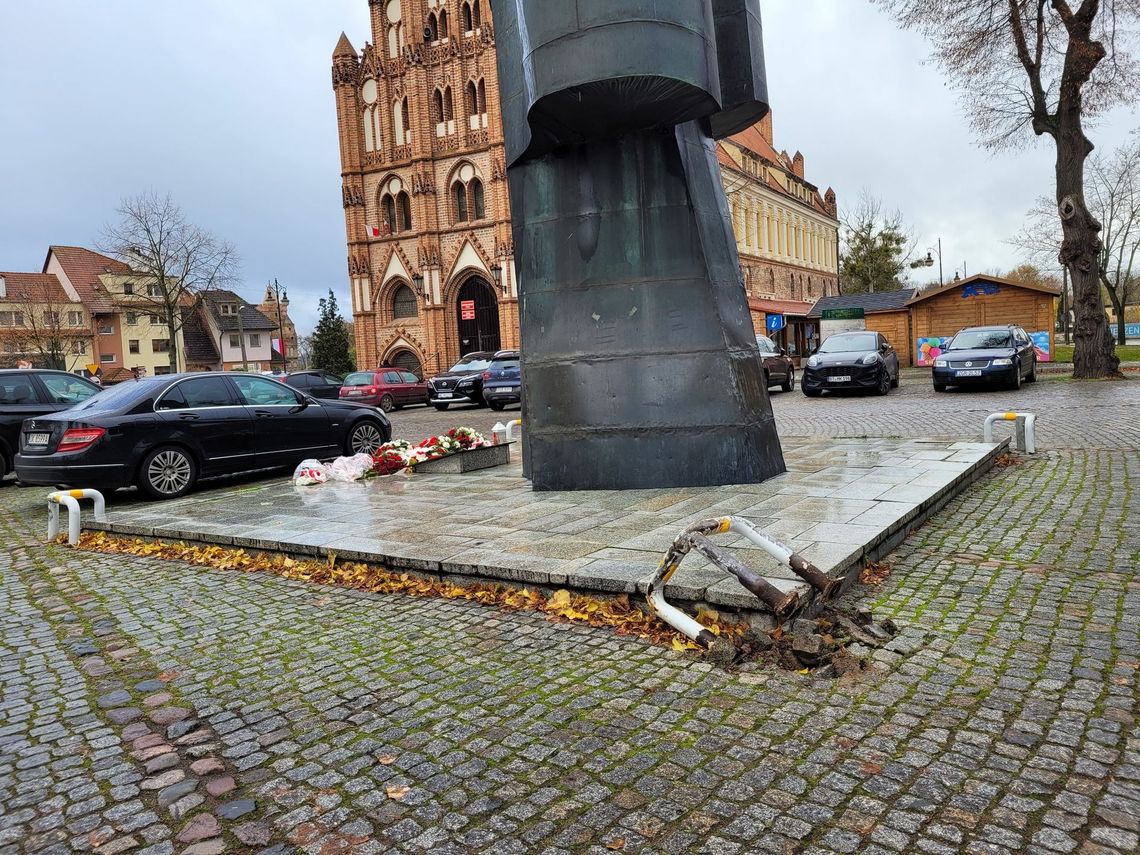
830	202
765	126
3	288
798	165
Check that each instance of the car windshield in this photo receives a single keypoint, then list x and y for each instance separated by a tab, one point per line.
120	395
471	364
849	343
359	378
978	339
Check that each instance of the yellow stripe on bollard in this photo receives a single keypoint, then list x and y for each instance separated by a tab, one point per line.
76	494
1010	417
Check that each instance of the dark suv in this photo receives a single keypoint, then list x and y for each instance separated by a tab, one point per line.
463	384
778	366
319	384
986	355
502	381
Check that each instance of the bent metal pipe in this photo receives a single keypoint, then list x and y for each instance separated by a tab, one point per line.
696	537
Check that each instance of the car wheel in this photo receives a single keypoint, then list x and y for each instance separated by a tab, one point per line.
767	380
442	407
884	382
939	387
167	472
789	384
5	467
364	438
496	405
387	404
1015	383
1032	378
895	381
811	393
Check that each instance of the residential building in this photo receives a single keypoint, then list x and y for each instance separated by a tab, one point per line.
241	335
41	324
427	215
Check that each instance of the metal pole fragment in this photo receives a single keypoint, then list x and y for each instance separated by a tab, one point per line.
803	568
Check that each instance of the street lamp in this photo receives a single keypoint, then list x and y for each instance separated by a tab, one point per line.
277	295
929	261
418	281
497	272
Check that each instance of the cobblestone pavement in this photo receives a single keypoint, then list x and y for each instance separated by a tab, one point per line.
1084	415
148	706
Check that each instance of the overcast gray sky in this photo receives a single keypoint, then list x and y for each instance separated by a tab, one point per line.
229	107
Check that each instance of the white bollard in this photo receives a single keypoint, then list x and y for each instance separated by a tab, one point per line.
70	500
1023	437
511	425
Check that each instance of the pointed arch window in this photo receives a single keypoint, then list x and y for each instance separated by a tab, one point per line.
431	31
404	211
465	17
404	303
369	130
437	105
443	23
468	198
476	16
459	192
482	97
388	213
407	123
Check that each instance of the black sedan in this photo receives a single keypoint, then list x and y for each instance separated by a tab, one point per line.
986	355
463	384
28	392
851	360
164	433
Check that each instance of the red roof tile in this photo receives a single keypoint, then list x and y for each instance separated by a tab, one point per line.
83	268
33	287
796	308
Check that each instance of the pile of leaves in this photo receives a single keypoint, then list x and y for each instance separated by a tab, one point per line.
617	613
399	454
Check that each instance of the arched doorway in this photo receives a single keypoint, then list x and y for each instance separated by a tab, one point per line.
477	315
408	361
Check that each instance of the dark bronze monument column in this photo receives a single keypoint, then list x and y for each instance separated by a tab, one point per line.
640	365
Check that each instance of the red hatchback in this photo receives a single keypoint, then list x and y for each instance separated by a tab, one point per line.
386	388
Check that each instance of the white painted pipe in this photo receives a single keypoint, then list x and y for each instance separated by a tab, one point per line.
1025	424
510	428
70	500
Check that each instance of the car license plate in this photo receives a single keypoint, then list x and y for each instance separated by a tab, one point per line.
511	389
443	394
38	438
971	372
354	392
843	378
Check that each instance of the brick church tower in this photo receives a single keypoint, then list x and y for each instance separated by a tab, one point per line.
424	184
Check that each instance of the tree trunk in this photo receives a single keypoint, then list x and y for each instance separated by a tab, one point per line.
172	332
1094	355
1118	310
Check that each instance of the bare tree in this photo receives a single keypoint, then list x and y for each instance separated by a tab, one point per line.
1114	194
876	247
1114	199
1045	66
178	260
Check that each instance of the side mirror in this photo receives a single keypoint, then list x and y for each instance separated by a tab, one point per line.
885	346
783	352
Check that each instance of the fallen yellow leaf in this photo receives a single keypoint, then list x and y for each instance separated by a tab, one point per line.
396	792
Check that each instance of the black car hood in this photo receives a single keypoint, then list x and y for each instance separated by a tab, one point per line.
823	360
453	375
978	353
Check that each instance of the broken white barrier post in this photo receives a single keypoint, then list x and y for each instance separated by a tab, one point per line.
70	500
1023	436
696	537
511	425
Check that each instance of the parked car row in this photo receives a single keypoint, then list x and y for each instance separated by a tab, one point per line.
391	388
976	356
162	434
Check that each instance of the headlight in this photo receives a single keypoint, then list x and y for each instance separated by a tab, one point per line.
870	359
1003	361
940	363
813	361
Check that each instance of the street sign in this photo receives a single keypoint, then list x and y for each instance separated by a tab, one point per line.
842	315
93	368
774	323
467	310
